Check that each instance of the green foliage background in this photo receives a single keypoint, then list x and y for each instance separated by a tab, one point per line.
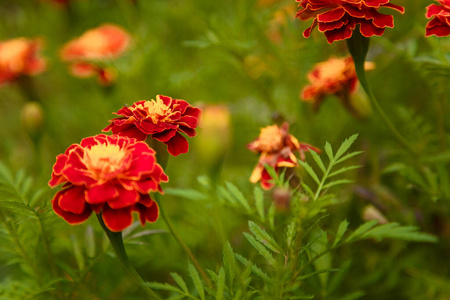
224	52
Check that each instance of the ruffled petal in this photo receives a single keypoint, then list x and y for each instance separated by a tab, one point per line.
177	145
117	219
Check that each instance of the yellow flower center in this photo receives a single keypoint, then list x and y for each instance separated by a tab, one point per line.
270	139
104	159
157	110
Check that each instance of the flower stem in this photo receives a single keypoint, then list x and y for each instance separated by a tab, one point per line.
116	241
180	241
358	46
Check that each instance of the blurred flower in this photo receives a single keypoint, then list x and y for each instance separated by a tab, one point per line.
111	175
32	117
370	213
282	198
276	146
336	76
19	57
162	119
214	140
440	24
338	18
279	22
89	52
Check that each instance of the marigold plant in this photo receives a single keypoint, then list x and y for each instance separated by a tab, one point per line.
163	119
111	175
439	24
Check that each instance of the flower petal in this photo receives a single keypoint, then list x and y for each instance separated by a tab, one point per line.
117	219
177	145
70	217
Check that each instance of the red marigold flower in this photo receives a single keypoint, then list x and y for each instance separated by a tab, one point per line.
162	119
338	18
440	24
336	76
88	52
18	57
276	146
111	175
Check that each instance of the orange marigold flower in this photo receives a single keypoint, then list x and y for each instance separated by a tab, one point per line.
338	18
88	52
277	148
335	76
439	25
111	175
18	57
163	119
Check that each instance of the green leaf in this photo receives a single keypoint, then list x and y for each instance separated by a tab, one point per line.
220	284
190	194
290	233
317	272
318	160
361	230
18	207
225	194
337	182
308	190
238	195
197	282
329	151
343	226
229	262
180	281
264	238
163	286
255	269
345	146
259	202
310	171
271	216
261	249
347	156
395	231
342	170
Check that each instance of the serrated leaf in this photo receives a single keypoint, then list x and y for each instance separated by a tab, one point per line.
307	189
197	282
361	230
264	238
337	182
342	170
310	171
212	275
18	207
261	249
395	231
329	151
255	269
163	286
343	226
239	196
180	281
345	146
258	194
229	262
190	194
220	284
225	194
347	156
318	160
290	233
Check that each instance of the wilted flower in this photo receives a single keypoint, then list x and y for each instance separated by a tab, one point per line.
277	148
338	18
163	119
89	52
111	175
336	76
440	24
19	57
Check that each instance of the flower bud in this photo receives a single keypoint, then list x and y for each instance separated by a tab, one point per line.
370	212
32	117
282	198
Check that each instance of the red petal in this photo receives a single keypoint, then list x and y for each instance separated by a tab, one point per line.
332	15
165	135
188	121
101	193
353	11
124	199
396	7
266	180
193	112
437	28
367	29
177	145
71	218
339	34
117	219
73	200
188	131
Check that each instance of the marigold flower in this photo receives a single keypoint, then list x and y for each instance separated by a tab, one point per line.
439	25
276	146
336	76
111	175
338	18
19	57
163	119
90	51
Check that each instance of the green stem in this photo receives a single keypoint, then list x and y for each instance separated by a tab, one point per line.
117	243
180	241
358	46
